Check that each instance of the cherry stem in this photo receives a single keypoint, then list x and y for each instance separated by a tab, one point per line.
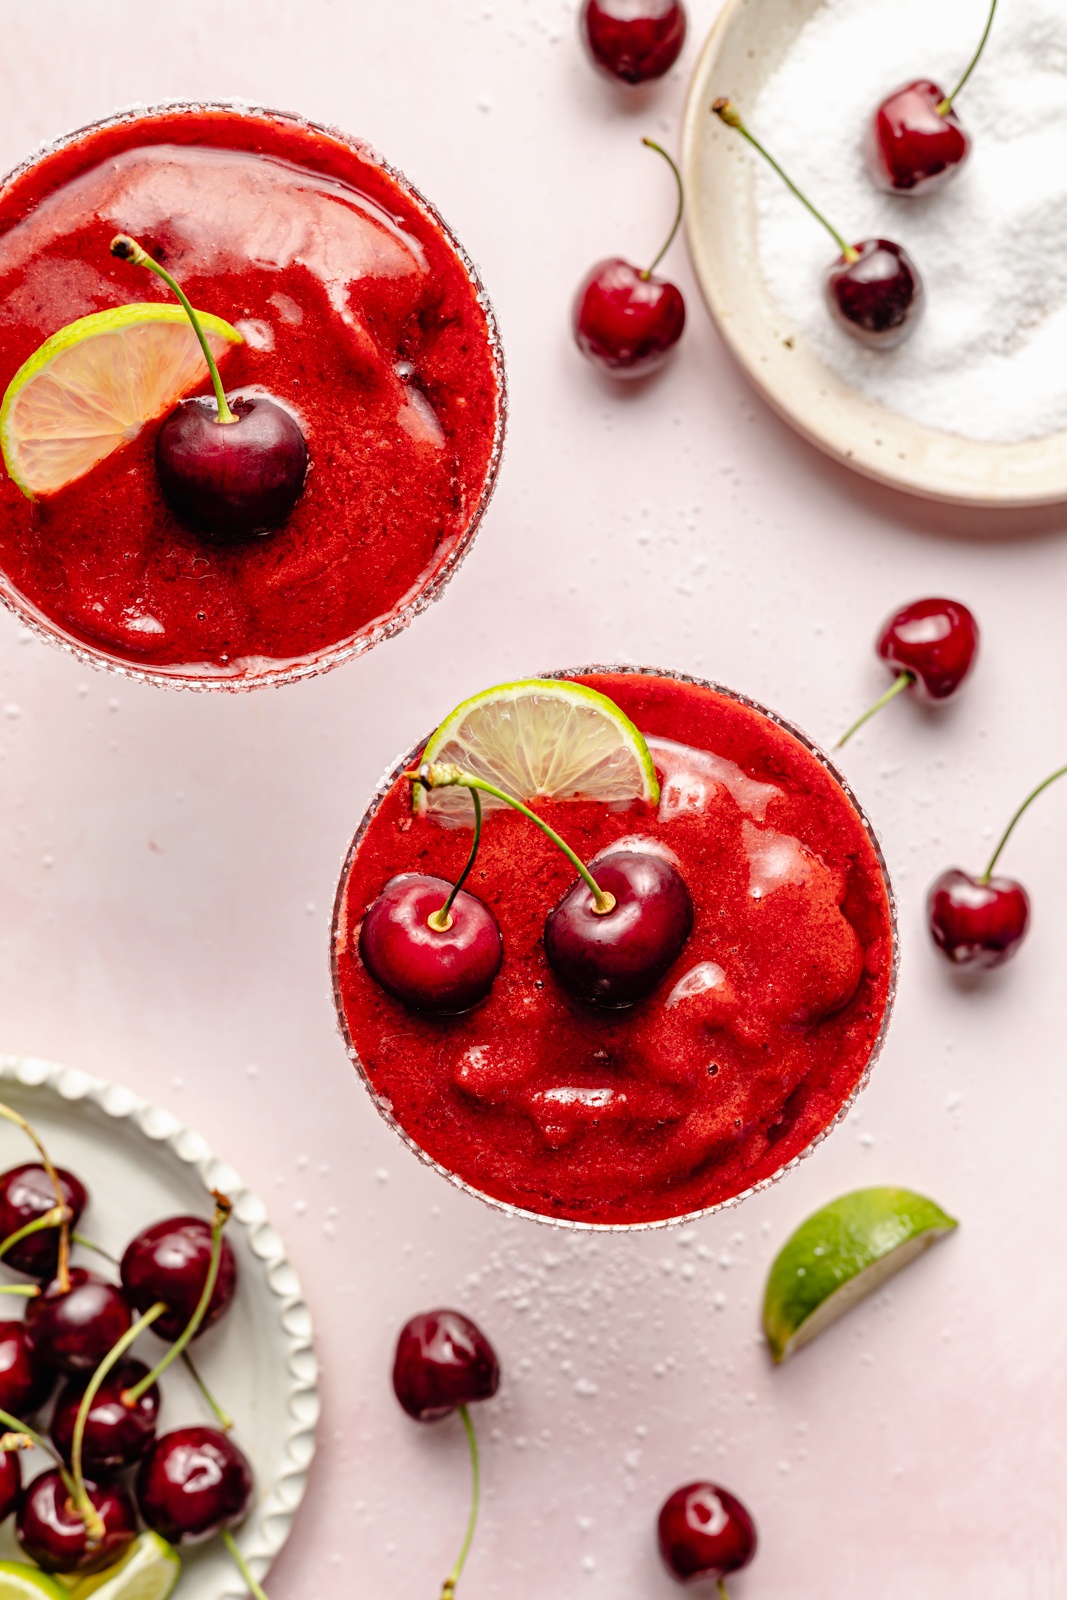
902	681
87	1244
128	249
721	1587
945	105
441	921
728	112
1006	835
15	1425
50	1219
30	1290
223	1207
652	145
15	1441
241	1564
90	1515
448	1588
63	1263
225	1421
443	775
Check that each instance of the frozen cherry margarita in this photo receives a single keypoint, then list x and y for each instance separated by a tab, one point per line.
697	947
361	372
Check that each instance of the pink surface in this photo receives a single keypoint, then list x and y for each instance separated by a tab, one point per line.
168	864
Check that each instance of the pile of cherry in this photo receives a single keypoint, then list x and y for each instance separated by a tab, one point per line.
626	320
444	1363
177	1277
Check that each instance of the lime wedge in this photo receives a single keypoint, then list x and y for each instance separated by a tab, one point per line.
148	1571
93	385
840	1254
19	1581
541	738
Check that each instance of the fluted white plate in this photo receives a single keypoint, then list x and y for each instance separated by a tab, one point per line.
140	1164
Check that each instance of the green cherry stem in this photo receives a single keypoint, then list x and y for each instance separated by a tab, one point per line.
16	1426
441	921
223	1418
728	113
241	1564
443	775
652	145
63	1263
128	249
92	1389
1006	835
721	1587
902	681
87	1244
223	1207
30	1290
49	1219
448	1588
945	105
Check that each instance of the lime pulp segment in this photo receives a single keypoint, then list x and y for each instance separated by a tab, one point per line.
20	1581
840	1254
541	738
148	1571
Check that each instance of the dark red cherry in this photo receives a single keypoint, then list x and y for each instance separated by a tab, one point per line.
232	479
977	924
633	40
169	1261
74	1329
627	323
26	1193
10	1481
705	1532
443	1360
52	1533
426	969
25	1380
192	1483
116	1435
936	641
618	957
912	147
878	297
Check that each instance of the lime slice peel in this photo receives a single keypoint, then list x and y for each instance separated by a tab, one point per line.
540	738
842	1253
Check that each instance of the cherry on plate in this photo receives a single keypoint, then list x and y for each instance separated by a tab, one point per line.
169	1261
633	41
913	147
52	1532
73	1329
431	968
116	1434
26	1193
192	1483
443	1361
25	1380
705	1532
10	1481
617	957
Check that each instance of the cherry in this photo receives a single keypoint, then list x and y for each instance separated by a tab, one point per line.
931	646
913	146
52	1531
873	289
617	957
232	468
705	1532
431	968
116	1434
633	40
874	292
192	1483
27	1193
25	1381
977	922
73	1329
626	320
10	1482
169	1261
443	1361
915	141
980	922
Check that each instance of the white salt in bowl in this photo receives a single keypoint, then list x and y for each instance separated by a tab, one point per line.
749	41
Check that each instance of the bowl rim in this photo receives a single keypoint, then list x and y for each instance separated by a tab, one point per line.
381	1102
858	432
269	1522
294	670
